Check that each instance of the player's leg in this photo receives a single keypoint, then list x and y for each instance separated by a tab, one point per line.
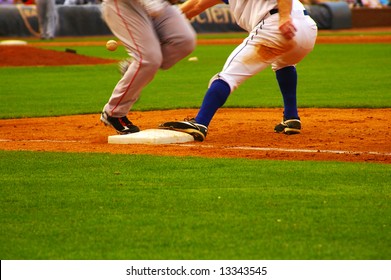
52	19
41	14
286	74
255	54
130	24
287	81
244	62
240	65
177	36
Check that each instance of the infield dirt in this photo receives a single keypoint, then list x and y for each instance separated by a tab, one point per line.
327	134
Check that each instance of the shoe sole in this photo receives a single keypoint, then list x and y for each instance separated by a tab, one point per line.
290	131
288	127
197	135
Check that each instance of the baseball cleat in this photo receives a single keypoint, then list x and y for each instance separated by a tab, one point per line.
288	126
121	125
198	131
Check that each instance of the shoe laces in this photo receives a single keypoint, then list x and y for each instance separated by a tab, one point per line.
190	119
124	121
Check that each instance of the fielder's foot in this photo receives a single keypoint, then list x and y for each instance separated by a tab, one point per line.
121	125
198	131
288	126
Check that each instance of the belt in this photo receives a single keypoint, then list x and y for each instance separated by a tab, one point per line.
275	11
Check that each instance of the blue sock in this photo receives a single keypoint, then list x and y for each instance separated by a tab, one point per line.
214	98
287	80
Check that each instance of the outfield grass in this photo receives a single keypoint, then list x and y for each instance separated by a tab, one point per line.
102	206
340	76
148	207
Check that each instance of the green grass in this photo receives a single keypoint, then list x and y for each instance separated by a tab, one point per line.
340	76
147	207
103	206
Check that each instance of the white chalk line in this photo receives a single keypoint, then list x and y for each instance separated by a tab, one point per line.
244	148
262	149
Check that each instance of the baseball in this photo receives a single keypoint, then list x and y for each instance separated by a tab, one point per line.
111	45
194	58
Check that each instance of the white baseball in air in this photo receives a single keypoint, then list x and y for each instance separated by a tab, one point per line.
111	45
194	58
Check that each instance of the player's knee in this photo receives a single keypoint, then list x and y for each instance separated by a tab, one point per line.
230	82
178	51
150	67
187	45
151	63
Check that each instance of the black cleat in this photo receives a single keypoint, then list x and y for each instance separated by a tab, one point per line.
121	125
198	131
288	126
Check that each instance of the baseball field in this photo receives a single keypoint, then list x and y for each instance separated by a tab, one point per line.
245	193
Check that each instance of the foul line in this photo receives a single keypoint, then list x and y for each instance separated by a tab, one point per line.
289	150
243	148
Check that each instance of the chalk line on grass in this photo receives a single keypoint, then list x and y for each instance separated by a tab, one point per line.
263	149
243	148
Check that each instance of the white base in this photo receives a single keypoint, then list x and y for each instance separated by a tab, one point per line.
13	42
151	136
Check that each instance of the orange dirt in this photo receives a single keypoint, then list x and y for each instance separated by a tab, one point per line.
328	134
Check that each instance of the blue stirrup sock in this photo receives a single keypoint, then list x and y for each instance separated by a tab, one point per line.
287	80
214	98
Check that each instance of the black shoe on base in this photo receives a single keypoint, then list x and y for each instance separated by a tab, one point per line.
121	125
288	126
198	131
